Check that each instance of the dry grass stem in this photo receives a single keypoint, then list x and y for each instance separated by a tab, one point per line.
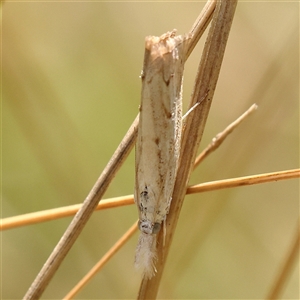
61	212
220	137
241	181
205	85
83	215
113	250
200	25
66	211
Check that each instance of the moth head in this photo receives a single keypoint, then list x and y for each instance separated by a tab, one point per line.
148	227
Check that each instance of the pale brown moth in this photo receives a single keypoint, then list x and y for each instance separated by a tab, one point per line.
158	142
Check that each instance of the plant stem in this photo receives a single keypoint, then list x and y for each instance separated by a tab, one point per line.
205	84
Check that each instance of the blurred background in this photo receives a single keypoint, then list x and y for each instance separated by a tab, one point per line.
71	89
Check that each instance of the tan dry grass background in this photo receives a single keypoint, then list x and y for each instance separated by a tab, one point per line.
71	89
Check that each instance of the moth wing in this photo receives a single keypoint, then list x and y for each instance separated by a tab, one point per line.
159	132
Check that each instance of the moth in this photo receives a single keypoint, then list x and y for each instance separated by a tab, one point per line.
158	142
